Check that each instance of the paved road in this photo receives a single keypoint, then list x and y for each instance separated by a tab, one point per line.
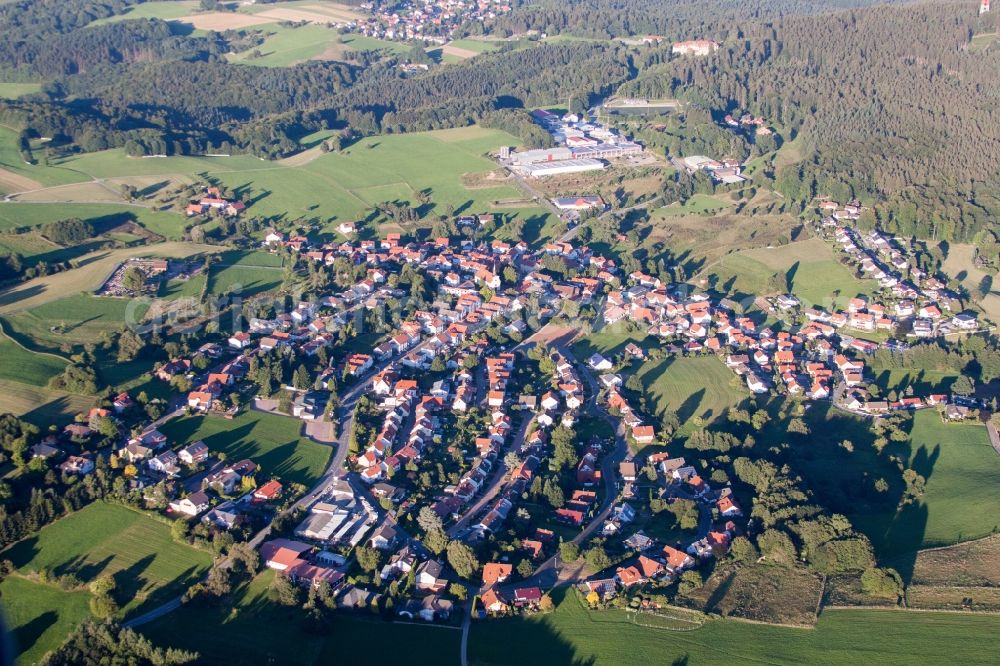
348	402
552	571
499	479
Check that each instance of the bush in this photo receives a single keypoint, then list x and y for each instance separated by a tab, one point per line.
882	583
569	551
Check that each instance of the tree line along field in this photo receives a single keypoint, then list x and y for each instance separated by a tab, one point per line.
272	441
573	634
256	630
149	568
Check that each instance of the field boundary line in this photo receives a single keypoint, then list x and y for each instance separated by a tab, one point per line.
910	609
5	334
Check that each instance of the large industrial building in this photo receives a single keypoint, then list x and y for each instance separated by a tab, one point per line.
558	167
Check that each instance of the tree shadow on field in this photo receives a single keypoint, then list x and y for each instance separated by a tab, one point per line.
539	641
130	581
28	634
687	409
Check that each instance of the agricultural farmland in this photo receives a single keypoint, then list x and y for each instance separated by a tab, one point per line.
962	471
40	616
573	634
101	539
328	189
813	272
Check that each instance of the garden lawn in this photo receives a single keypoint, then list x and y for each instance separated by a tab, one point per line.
39	616
270	440
694	386
575	635
107	539
254	630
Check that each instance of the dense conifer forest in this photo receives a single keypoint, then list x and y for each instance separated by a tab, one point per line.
897	111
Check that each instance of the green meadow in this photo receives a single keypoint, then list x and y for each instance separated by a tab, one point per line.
254	630
15	90
816	277
960	500
288	45
272	441
573	634
699	204
27	367
692	386
149	568
39	616
74	319
327	188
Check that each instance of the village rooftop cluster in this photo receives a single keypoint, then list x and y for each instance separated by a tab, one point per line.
430	20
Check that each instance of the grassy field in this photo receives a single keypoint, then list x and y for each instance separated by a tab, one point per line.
607	340
160	10
101	539
27	175
923	382
15	90
41	406
27	367
167	224
959	503
326	187
696	386
761	593
976	563
39	616
816	277
108	539
699	204
574	635
287	45
270	440
960	264
91	271
257	631
73	320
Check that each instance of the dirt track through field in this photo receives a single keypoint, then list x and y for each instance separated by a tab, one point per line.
15	182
